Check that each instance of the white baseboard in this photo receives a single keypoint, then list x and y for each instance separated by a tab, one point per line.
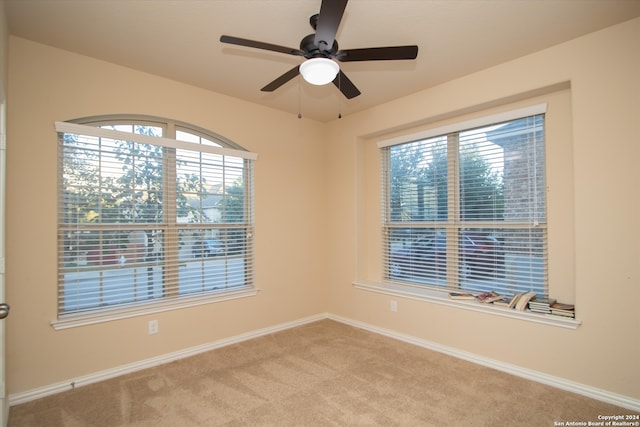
18	398
561	383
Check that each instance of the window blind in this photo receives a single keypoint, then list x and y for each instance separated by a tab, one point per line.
467	209
143	218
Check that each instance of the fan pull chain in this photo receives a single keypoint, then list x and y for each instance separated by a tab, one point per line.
299	113
339	98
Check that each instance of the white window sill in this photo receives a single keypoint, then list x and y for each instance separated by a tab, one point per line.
442	297
108	315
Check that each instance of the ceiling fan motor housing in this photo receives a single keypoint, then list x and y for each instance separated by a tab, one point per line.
311	50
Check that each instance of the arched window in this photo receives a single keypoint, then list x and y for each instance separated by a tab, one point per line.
152	214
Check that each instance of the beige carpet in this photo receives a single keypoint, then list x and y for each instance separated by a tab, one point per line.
321	374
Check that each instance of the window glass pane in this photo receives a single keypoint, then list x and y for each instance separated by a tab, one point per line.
506	259
418	255
104	268
187	137
510	175
80	171
213	259
210	188
190	137
418	181
481	177
149	130
525	252
133	182
108	181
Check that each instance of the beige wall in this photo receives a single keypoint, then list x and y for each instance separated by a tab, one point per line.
315	219
4	45
48	85
594	216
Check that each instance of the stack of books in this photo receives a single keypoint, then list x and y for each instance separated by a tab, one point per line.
541	305
565	310
520	301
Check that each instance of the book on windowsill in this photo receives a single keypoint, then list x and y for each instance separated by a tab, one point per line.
489	297
562	306
541	305
514	299
503	302
461	295
562	309
523	300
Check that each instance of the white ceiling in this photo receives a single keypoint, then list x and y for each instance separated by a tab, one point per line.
179	39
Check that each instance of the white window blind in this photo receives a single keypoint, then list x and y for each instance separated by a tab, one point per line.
467	209
143	218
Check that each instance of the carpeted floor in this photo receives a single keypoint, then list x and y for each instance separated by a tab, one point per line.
321	374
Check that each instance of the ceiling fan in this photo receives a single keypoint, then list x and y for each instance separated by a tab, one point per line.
321	51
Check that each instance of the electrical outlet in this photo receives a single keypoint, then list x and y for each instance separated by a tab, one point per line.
153	327
394	306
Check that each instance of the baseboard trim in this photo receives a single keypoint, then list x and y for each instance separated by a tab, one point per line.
561	383
18	398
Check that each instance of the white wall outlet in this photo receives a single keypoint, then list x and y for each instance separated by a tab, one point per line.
153	327
394	306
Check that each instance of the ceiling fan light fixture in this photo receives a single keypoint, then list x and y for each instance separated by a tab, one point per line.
319	71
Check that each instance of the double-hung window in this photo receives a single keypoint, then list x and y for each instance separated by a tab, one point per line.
464	206
151	214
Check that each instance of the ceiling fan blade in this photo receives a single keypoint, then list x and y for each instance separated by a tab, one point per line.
281	80
378	53
261	45
345	85
329	18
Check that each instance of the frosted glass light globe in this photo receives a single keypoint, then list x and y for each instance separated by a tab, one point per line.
319	71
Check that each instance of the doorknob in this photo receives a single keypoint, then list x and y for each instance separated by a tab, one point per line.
4	310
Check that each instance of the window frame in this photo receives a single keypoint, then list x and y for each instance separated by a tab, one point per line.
166	301
453	225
